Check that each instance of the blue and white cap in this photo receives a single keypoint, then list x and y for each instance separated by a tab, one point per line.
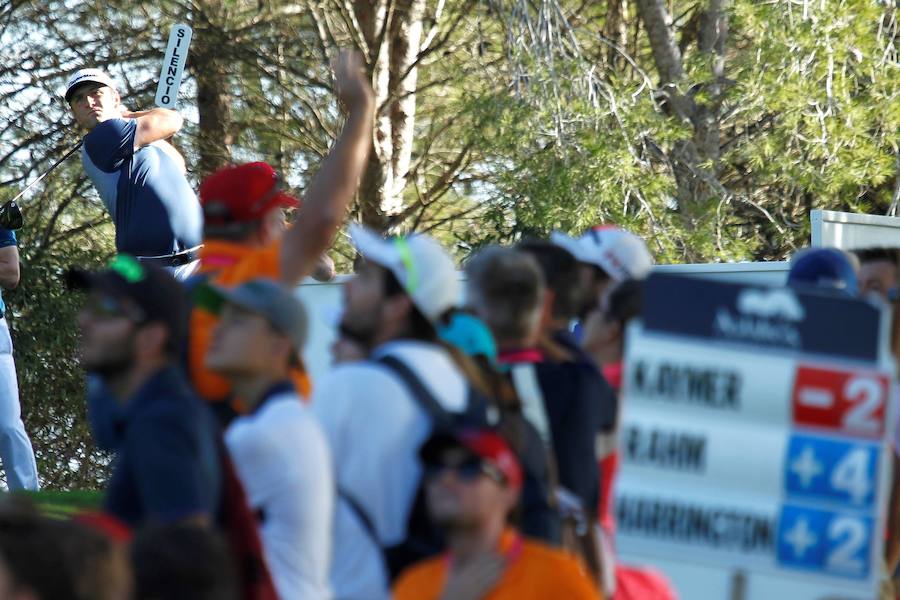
87	76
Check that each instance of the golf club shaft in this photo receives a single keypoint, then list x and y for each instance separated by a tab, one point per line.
47	172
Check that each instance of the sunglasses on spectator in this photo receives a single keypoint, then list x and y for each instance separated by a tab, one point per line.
467	471
108	307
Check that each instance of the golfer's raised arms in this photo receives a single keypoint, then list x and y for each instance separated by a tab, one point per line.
154	125
331	191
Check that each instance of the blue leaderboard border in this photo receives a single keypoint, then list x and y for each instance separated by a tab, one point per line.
824	541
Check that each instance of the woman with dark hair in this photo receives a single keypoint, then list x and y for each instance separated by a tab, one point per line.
604	340
604	327
475	350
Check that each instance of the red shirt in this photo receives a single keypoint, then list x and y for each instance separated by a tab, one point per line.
609	463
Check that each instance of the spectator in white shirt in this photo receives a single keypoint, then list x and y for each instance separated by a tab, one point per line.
373	421
278	449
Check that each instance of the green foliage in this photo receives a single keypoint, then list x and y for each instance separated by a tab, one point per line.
62	230
574	163
807	117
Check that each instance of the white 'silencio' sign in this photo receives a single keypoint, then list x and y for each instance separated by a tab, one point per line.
754	432
173	66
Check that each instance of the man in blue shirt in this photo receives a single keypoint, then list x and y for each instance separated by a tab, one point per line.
15	447
139	176
167	465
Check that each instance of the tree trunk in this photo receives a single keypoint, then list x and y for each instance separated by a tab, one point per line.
669	65
406	36
392	30
666	55
377	183
214	137
695	182
711	37
616	30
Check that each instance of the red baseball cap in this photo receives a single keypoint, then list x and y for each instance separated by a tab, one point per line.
485	443
242	193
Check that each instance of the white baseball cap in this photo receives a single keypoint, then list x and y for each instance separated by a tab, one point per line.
621	254
87	76
421	265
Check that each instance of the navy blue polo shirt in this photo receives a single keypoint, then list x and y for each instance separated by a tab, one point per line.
579	404
152	205
167	464
7	238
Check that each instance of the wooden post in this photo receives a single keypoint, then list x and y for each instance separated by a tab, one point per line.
738	586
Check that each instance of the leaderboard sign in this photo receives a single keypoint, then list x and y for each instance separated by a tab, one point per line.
754	431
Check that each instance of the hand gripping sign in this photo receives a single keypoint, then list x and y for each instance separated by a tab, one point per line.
173	66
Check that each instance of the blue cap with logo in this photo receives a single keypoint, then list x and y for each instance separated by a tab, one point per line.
824	269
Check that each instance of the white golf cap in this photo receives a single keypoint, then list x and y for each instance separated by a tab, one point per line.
421	265
87	76
621	254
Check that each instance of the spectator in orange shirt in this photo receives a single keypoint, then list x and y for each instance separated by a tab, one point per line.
244	233
473	483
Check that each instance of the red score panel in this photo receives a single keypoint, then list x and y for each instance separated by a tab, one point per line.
849	402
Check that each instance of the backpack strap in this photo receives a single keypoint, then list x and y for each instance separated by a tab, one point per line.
238	522
568	505
528	388
364	519
423	397
429	404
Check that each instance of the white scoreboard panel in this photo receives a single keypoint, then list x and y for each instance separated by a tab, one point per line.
752	439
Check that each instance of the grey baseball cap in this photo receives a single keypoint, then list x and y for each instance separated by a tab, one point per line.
264	297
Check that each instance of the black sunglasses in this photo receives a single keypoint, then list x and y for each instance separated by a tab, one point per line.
467	471
108	307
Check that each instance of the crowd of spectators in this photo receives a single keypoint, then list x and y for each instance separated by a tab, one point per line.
463	446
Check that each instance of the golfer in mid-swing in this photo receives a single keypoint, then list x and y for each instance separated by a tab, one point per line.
138	174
